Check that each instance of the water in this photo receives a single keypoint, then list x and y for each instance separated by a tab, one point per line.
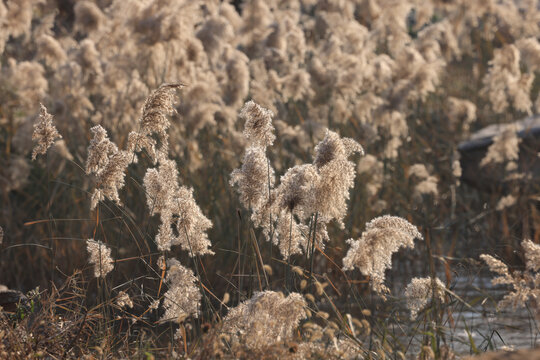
481	323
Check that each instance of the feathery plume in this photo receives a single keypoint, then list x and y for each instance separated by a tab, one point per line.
505	202
161	185
261	217
427	184
321	235
191	223
99	150
334	147
420	291
50	50
336	175
505	148
183	297
372	253
123	300
100	256
460	111
177	207
336	179
266	319
138	142
529	50
532	254
88	16
252	178
524	284
374	170
111	179
45	133
289	237
258	128
296	190
504	82
109	166
154	114
495	265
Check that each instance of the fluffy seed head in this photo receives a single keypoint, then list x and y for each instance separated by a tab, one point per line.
495	265
420	291
45	133
288	237
505	147
334	147
532	254
252	178
336	179
372	253
258	128
297	190
336	175
99	150
155	110
100	256
123	300
183	297
267	318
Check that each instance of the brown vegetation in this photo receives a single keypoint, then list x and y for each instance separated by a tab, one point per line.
179	178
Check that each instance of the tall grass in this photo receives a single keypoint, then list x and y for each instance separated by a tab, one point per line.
189	184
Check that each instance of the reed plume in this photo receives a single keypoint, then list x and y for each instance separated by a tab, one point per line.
45	133
372	252
100	257
525	284
420	291
267	318
183	297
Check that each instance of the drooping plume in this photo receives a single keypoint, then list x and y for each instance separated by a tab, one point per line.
267	318
525	284
183	297
372	253
178	210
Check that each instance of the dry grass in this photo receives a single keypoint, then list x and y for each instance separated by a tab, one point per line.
121	202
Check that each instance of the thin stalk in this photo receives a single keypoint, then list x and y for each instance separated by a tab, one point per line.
240	284
201	286
434	300
312	254
271	235
52	242
288	255
308	247
258	253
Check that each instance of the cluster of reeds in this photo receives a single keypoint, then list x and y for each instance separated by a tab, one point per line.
348	115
